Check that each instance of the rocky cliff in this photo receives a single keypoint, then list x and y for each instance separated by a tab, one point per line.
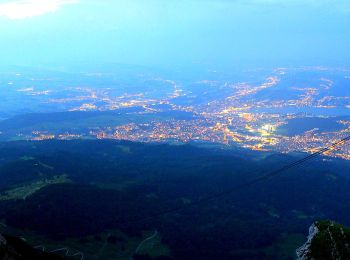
326	240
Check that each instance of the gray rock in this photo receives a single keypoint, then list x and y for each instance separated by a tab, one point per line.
303	252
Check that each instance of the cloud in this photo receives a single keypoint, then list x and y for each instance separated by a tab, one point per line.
23	9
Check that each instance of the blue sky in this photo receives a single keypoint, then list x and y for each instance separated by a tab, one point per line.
170	33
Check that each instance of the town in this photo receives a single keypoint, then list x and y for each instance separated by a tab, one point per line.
238	119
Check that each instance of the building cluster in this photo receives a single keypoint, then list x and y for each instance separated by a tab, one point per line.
236	119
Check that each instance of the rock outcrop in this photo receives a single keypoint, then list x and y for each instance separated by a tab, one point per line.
326	240
304	251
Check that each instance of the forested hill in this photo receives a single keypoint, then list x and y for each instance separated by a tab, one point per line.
104	198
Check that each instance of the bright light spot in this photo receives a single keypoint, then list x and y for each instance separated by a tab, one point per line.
267	130
268	127
22	9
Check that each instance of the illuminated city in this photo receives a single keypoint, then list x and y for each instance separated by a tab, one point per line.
238	117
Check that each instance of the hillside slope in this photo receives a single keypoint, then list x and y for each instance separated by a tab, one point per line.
13	248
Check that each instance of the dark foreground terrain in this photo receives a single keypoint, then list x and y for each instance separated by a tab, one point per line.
116	199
